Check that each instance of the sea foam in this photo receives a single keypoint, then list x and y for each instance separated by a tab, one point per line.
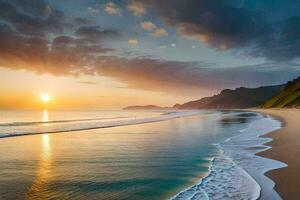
237	173
39	127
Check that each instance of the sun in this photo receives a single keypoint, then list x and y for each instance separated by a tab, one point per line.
45	97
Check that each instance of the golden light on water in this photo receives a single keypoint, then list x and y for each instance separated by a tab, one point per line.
46	147
45	117
40	187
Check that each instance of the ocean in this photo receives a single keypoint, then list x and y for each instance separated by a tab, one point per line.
198	154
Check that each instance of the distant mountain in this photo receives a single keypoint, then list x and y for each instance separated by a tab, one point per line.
289	97
238	98
146	107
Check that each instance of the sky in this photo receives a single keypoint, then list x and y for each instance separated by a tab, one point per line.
102	54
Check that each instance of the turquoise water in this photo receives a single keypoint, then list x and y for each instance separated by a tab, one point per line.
145	161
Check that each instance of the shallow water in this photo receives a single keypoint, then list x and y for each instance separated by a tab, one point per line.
54	122
145	161
236	172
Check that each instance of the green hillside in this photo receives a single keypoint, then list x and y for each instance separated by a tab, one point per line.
288	98
238	98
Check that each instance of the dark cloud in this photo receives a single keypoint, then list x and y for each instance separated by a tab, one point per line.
33	37
283	45
95	33
262	28
213	21
151	74
31	17
62	55
82	21
191	78
66	55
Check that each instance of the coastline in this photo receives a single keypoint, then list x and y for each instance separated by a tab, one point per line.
285	148
67	145
239	154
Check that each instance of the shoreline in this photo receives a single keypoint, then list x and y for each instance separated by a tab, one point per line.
285	148
277	114
260	185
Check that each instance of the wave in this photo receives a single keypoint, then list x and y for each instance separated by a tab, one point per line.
237	172
226	180
39	127
61	121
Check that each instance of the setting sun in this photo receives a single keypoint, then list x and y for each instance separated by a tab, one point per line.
45	97
139	99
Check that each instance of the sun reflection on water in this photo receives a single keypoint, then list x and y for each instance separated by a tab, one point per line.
45	117
40	186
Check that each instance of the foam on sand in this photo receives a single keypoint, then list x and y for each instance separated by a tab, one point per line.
237	173
226	180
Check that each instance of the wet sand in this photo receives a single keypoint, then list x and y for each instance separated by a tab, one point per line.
285	148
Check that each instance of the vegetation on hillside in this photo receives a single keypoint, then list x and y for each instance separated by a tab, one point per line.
288	98
238	98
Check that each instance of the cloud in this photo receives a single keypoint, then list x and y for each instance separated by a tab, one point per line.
148	25
162	47
112	8
151	74
82	21
96	33
32	17
93	10
173	45
260	29
73	56
192	78
133	42
160	32
27	42
87	82
280	46
61	55
136	8
210	21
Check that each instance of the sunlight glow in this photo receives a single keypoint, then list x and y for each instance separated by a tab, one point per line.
45	97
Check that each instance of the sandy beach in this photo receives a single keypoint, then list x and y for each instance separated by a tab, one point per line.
285	148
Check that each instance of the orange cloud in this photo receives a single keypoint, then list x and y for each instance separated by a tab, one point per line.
136	8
